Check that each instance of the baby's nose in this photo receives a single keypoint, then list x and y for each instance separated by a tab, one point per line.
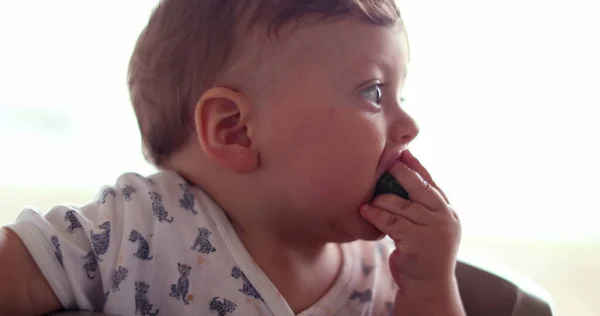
404	129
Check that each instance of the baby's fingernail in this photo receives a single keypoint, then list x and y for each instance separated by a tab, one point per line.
409	155
365	210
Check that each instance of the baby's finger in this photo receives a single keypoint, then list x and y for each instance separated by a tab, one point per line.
419	190
413	163
410	210
391	224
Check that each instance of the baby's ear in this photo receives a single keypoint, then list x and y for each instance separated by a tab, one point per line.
222	116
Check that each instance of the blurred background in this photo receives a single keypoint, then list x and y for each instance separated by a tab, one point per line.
506	94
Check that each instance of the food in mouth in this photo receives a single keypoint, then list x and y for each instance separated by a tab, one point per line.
388	184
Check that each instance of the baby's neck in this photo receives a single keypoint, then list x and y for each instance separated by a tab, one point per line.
301	269
301	274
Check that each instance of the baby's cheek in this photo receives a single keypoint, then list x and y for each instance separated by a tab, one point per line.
347	174
342	185
328	164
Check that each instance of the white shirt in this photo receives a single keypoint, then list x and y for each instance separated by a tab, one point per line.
158	246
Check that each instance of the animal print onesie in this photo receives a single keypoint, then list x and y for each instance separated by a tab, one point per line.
159	246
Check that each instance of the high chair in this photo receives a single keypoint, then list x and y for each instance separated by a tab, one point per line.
488	289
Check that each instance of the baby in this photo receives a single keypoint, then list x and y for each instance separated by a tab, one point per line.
271	122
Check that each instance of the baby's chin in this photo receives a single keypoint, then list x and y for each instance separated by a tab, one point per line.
366	231
376	235
352	229
359	228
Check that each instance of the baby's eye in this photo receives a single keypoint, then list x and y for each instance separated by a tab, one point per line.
373	94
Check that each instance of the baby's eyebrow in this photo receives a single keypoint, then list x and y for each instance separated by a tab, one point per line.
386	69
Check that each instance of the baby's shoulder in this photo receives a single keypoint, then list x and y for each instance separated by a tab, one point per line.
134	200
164	196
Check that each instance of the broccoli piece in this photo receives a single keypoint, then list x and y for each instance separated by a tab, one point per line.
388	184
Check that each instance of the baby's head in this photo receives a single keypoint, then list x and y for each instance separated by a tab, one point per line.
286	112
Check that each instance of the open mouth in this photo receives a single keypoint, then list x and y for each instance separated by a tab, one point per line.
387	164
387	184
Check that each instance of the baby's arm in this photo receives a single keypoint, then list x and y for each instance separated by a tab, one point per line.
23	289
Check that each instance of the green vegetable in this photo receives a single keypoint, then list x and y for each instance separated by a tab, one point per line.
388	184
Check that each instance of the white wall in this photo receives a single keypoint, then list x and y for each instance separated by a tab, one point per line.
508	96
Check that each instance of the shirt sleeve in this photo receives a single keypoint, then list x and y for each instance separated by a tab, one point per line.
76	249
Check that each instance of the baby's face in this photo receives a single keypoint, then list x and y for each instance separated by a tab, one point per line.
332	122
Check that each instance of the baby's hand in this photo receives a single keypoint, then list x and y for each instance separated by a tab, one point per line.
426	232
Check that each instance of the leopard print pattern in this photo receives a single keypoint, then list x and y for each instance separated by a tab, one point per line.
101	242
142	304
74	223
180	290
158	209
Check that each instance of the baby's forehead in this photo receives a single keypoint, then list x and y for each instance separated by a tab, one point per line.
337	47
